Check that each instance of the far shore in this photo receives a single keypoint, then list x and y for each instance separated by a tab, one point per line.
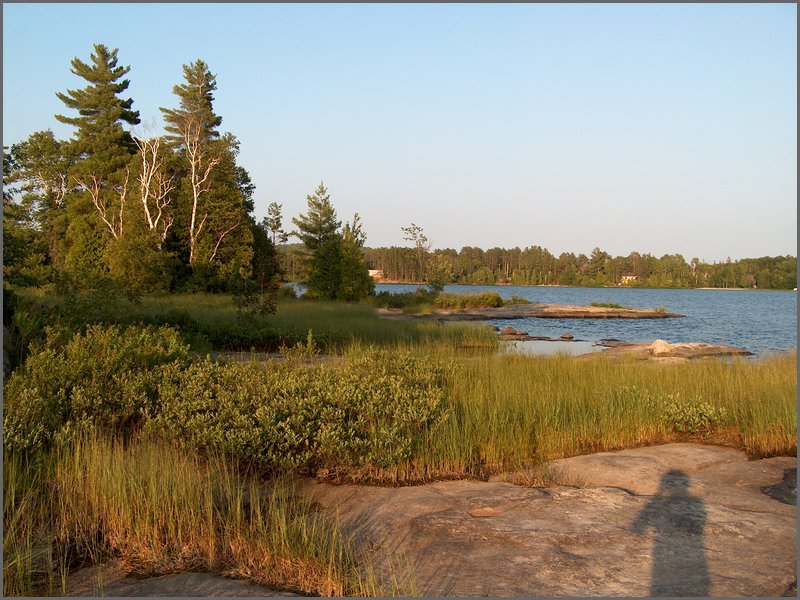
609	287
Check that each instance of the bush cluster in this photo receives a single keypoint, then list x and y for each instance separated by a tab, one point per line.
107	375
458	301
374	409
693	417
287	415
404	300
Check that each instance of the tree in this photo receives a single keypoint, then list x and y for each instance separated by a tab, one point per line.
337	268
355	282
156	185
319	223
414	234
215	193
19	230
273	223
440	273
103	147
325	269
40	168
196	113
192	128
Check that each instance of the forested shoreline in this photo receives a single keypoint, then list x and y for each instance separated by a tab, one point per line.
119	206
537	266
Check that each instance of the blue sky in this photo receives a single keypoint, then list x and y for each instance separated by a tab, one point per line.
660	128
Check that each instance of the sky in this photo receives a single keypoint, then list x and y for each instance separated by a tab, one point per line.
656	128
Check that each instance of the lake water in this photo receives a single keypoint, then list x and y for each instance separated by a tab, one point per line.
762	322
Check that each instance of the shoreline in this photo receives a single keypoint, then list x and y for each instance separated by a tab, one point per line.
587	287
538	311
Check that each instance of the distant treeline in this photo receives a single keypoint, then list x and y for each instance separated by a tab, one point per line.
537	266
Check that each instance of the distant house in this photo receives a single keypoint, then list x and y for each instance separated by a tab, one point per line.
628	279
376	273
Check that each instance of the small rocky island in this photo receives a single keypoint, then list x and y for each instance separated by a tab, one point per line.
538	311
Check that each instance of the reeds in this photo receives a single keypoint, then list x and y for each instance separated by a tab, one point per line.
159	511
508	412
210	321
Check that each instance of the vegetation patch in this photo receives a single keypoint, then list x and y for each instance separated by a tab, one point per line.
608	305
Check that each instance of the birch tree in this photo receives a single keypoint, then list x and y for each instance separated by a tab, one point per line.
155	186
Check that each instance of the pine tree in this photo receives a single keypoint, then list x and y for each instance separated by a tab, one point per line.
273	223
355	282
337	269
103	150
215	196
319	223
196	113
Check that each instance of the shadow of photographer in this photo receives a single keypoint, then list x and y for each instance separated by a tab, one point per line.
678	519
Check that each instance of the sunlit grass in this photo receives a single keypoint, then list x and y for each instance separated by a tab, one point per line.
159	511
511	412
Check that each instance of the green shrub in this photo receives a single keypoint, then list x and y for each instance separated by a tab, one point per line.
460	301
104	376
693	417
372	411
515	300
405	300
607	305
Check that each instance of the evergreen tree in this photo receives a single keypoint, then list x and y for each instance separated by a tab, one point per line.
319	223
337	268
355	282
196	113
215	194
102	149
273	223
325	269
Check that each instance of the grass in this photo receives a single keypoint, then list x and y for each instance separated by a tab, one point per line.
425	302
517	410
608	305
511	413
159	511
160	508
210	321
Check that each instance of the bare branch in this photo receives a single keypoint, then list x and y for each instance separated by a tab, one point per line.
219	241
153	185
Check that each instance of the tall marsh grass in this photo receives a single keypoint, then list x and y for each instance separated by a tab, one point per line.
159	511
507	412
211	321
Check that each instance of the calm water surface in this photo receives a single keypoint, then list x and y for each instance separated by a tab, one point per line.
761	321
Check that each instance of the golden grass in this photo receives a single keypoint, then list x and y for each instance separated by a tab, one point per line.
514	412
159	511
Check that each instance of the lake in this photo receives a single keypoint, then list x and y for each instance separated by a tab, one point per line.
760	321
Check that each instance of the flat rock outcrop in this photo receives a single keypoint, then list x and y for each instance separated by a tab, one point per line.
665	352
112	581
673	520
540	311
